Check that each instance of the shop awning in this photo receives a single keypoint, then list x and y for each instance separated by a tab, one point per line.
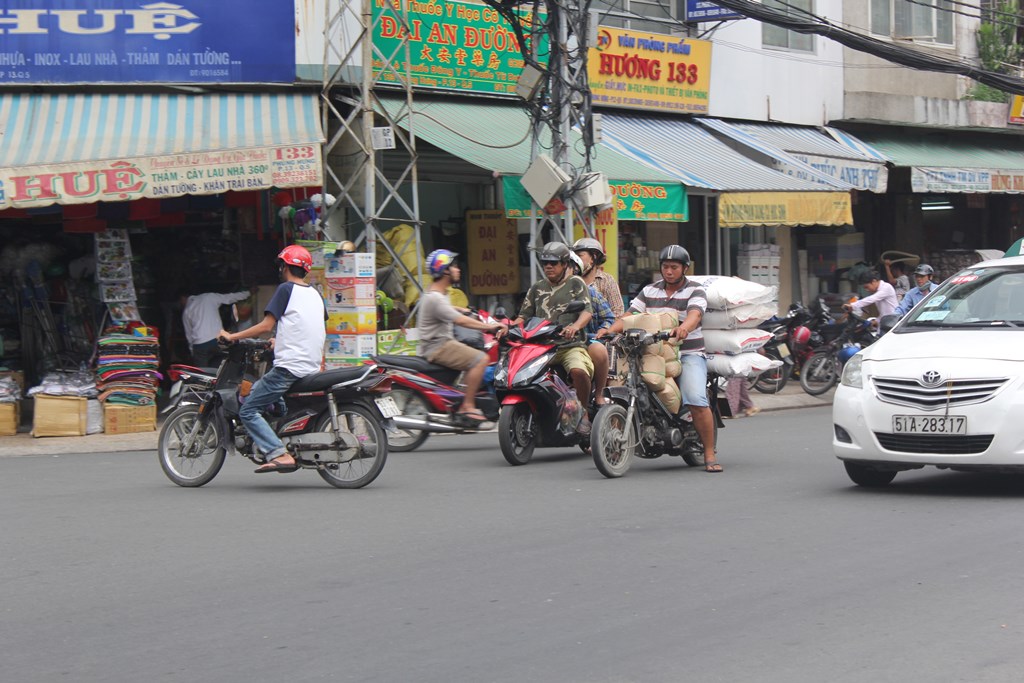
81	148
943	162
807	153
496	137
690	153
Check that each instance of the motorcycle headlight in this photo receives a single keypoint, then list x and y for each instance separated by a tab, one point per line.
530	370
852	376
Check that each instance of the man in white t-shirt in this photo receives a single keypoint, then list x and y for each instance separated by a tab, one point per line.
298	311
201	319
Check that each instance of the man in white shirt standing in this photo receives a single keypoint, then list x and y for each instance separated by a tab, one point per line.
880	293
201	319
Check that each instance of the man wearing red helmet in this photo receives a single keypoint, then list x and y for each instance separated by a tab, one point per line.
298	312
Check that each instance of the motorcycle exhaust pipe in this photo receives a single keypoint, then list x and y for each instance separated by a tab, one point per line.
406	422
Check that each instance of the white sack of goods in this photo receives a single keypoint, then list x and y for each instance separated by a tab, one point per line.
740	365
744	316
724	293
735	341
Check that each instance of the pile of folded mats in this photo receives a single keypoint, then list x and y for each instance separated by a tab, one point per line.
127	369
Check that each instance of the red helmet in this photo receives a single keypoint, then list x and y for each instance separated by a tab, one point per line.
294	255
801	335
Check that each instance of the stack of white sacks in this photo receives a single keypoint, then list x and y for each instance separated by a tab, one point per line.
731	336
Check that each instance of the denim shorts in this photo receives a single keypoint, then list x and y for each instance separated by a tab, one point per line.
693	380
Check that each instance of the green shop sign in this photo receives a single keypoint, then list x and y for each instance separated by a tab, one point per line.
452	45
633	201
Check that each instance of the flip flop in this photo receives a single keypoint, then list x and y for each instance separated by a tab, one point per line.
712	466
272	466
476	417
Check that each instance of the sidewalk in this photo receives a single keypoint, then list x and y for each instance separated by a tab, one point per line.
792	396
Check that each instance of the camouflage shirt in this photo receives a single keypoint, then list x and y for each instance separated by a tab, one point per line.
545	300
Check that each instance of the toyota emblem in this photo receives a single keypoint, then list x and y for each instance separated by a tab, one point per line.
931	378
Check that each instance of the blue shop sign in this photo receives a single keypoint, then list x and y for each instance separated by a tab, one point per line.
700	10
121	41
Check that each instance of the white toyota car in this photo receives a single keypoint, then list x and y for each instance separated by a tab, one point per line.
944	387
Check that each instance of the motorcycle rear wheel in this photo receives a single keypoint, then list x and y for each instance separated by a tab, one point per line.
403	439
517	433
819	373
359	427
206	458
613	442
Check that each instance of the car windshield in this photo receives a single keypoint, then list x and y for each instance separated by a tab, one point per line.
976	297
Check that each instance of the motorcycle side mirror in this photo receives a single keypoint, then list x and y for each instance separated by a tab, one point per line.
887	322
500	313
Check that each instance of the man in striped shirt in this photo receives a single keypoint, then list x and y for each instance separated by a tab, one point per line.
674	293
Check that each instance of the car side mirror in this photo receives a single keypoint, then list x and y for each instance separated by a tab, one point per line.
887	322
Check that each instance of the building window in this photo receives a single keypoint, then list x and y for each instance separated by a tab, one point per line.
929	21
776	36
654	9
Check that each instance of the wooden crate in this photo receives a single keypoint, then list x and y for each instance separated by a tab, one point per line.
118	419
58	415
10	416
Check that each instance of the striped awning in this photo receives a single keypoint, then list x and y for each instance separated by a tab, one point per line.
808	153
80	148
696	157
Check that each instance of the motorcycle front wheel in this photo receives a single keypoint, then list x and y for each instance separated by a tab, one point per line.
517	433
362	451
404	439
613	441
820	373
190	453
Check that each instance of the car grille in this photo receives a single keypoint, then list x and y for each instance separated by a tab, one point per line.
955	392
930	443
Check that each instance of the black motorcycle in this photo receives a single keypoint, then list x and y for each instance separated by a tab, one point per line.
824	367
332	423
637	423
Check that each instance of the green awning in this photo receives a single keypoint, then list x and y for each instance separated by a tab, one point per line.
949	162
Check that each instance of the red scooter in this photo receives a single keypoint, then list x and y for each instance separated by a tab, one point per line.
429	397
539	406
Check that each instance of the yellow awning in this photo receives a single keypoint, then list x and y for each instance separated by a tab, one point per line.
739	209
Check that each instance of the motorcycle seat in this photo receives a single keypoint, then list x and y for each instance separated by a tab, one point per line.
418	364
327	379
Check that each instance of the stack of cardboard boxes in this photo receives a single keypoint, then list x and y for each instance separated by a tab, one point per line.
350	292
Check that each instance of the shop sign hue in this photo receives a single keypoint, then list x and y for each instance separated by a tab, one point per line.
867	176
650	71
606	231
925	179
739	209
492	258
633	201
160	177
125	41
452	45
701	10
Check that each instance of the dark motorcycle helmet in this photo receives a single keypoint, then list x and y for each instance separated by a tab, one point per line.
924	269
674	252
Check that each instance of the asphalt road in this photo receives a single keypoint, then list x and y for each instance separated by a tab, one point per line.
454	566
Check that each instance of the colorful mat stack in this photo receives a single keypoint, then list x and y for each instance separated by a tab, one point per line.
126	369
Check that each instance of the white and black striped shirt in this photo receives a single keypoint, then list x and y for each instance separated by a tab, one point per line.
690	297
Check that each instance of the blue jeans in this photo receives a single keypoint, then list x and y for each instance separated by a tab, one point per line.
267	391
693	380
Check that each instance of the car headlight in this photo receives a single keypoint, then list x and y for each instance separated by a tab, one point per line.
852	376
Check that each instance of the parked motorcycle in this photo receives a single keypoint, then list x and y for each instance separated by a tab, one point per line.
428	396
636	423
539	406
824	367
331	423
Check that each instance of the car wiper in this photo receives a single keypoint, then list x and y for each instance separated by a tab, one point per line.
990	323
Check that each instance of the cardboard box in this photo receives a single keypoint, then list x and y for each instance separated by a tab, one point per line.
346	292
59	415
352	320
334	363
351	265
396	343
118	419
350	346
10	418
